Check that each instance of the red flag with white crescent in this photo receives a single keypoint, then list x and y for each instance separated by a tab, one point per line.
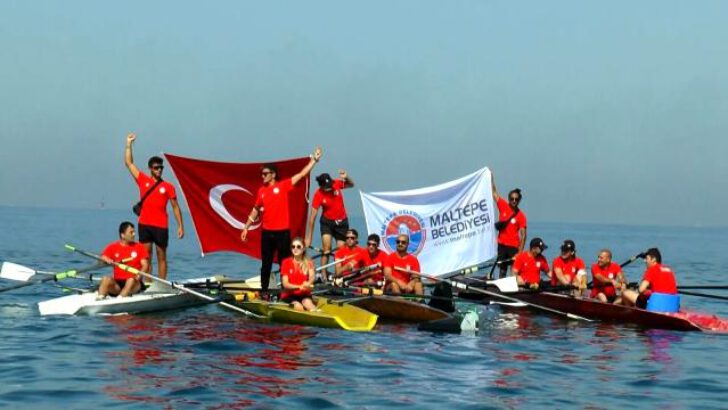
220	196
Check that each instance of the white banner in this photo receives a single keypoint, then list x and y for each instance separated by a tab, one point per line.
450	225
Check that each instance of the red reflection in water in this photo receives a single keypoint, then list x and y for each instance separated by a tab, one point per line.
160	355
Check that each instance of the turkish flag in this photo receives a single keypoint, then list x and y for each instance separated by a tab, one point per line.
220	196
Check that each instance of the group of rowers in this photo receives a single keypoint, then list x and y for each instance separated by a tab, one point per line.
396	273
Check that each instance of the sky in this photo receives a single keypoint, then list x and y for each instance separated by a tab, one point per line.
601	112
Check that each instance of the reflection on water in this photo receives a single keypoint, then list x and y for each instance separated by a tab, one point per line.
246	359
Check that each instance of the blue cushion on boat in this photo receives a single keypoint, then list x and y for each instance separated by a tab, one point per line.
663	302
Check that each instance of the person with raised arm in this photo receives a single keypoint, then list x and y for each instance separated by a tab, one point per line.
271	205
154	194
334	221
511	226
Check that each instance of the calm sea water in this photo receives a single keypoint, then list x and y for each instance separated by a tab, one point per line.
211	358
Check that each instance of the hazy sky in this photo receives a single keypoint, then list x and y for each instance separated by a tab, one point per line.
609	112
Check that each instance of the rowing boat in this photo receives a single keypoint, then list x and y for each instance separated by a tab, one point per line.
329	313
157	297
608	312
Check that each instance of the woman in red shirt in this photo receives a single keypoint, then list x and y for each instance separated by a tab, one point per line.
297	276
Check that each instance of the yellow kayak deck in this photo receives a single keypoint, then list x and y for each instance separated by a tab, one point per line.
329	314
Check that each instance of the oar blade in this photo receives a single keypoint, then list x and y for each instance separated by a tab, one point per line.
508	284
13	271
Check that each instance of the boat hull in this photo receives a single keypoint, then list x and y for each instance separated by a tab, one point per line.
156	298
397	309
330	314
596	310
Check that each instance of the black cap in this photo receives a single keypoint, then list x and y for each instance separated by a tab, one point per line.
324	180
568	245
538	243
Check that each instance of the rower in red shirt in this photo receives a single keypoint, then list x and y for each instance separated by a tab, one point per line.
511	227
375	259
349	255
297	276
129	252
153	224
399	267
569	269
607	277
529	264
334	221
658	278
271	203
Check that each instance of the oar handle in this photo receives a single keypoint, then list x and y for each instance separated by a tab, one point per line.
632	259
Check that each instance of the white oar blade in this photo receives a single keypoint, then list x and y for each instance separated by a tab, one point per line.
506	285
13	271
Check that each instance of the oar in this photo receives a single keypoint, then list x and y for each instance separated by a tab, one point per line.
464	286
137	272
708	287
13	271
365	292
632	259
704	295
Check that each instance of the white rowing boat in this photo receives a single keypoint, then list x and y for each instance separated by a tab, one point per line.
158	297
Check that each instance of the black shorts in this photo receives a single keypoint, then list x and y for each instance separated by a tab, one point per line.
506	253
122	283
642	301
154	234
337	229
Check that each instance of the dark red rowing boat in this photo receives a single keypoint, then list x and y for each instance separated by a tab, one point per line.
596	310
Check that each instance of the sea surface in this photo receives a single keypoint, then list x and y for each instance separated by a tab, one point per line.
212	358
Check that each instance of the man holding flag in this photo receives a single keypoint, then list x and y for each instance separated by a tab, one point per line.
271	204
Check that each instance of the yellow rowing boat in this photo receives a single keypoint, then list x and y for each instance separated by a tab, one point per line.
329	313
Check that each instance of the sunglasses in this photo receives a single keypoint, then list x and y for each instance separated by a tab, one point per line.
297	246
372	244
265	173
351	237
515	199
402	242
156	167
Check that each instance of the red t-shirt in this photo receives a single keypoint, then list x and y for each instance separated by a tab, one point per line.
530	268
409	261
569	268
661	278
381	258
296	276
610	272
272	202
508	236
154	209
357	258
332	202
131	255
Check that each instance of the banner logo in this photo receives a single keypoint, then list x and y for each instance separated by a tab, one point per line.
404	222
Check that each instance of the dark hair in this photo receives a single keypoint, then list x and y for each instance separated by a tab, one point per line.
354	231
272	167
655	253
155	160
124	226
516	191
374	237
